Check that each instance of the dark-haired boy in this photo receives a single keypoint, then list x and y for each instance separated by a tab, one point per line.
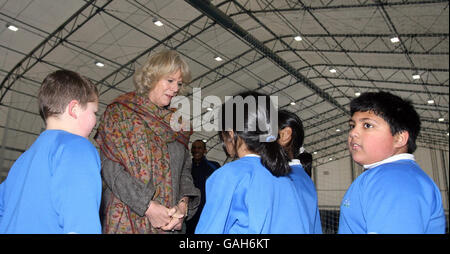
393	195
55	186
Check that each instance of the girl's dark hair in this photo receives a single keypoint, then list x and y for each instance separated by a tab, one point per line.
306	160
256	124
289	119
397	112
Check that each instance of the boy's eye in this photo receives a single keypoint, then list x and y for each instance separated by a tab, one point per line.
351	125
367	125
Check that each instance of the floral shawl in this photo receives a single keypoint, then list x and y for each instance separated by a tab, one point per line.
134	132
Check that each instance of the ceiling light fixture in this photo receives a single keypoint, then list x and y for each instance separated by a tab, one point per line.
441	119
100	64
332	70
218	58
298	38
416	76
357	94
395	39
293	103
205	140
431	101
12	28
157	22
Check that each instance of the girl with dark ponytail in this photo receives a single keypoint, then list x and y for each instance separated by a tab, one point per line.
294	147
256	134
253	194
291	137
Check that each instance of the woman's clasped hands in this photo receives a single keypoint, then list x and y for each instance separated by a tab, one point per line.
167	219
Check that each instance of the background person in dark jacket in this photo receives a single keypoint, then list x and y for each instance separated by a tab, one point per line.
201	170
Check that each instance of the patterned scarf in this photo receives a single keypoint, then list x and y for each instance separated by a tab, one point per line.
134	132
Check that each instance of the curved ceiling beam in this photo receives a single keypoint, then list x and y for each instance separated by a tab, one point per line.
42	33
60	35
296	8
379	67
122	73
227	23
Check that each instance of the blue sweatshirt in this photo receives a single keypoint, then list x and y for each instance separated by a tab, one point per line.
243	197
54	187
307	192
396	197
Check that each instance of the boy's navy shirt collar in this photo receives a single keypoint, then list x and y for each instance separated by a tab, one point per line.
397	157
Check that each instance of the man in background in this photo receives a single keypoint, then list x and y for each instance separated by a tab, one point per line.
201	170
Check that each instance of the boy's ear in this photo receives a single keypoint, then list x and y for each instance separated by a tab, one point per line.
401	139
73	108
285	136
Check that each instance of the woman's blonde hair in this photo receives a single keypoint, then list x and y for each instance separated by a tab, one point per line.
157	66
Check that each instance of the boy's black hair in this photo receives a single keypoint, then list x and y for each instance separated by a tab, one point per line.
397	112
273	157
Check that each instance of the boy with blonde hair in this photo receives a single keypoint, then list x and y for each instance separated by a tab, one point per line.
55	186
393	195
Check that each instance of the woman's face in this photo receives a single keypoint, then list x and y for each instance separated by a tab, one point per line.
165	89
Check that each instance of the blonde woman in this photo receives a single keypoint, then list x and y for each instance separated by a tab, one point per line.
145	164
